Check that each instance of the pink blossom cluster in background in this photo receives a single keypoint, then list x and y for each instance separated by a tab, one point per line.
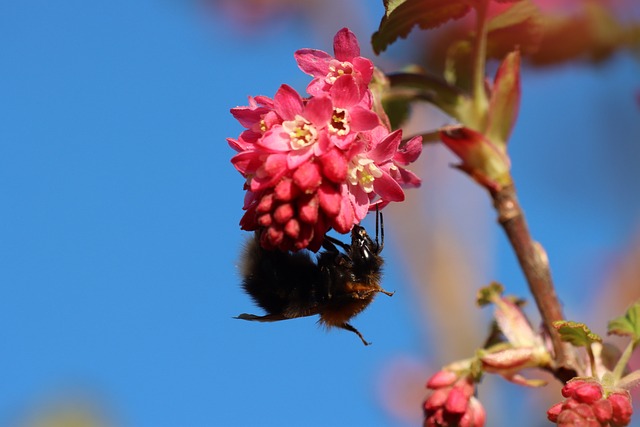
587	405
320	162
452	402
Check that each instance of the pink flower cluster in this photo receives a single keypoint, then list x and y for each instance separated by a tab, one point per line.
452	402
320	162
587	406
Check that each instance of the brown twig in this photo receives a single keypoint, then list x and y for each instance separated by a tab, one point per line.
535	265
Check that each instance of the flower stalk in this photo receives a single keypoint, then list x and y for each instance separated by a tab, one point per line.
535	266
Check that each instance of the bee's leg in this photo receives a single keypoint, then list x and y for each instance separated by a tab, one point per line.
382	291
266	318
348	327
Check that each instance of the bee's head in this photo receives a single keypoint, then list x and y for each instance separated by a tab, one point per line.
363	250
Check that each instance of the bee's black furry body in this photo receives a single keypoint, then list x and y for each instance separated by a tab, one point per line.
337	286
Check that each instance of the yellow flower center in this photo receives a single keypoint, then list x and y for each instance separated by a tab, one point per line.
363	171
337	69
339	122
301	132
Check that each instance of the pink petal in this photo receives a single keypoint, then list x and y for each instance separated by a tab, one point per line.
409	152
247	162
248	116
317	87
407	179
318	111
388	188
360	201
313	62
238	145
345	92
297	157
276	139
387	148
363	119
345	45
347	142
288	102
365	67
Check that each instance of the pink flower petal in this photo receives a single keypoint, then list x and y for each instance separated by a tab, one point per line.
363	119
276	139
239	145
313	62
248	116
409	152
365	67
345	45
318	111
297	157
388	188
360	201
345	92
288	102
247	162
386	148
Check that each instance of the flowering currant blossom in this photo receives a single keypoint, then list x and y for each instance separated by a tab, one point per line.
452	402
320	162
588	404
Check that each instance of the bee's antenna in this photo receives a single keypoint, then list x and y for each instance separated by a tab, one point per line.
379	229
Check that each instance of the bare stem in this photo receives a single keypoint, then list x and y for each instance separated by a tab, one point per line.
535	266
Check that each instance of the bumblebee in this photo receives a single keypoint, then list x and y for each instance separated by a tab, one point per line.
337	286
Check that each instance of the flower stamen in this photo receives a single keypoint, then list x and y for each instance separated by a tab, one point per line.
339	123
301	132
363	172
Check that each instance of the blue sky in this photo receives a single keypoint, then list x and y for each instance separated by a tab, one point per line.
119	210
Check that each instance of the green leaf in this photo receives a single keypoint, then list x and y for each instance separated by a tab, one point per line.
576	333
402	15
627	324
505	100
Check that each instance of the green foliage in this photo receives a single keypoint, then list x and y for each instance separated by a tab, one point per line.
576	333
627	324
